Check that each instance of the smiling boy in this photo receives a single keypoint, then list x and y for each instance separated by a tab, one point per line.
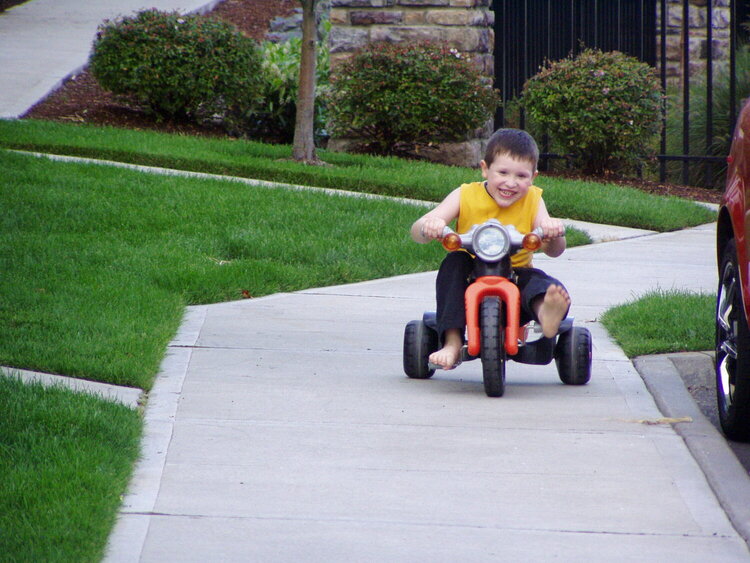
508	195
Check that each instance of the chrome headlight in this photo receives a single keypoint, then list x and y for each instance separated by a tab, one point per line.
491	243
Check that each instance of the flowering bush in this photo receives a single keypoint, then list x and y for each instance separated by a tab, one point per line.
600	107
398	96
178	66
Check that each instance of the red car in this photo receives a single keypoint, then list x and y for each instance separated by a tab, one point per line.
733	297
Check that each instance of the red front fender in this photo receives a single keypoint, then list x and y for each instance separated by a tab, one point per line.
493	286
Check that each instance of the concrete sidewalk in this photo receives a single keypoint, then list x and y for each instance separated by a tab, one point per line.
283	429
42	42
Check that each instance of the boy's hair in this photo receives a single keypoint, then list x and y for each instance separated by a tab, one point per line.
514	142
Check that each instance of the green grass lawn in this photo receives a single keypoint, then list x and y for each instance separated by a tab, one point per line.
99	263
587	201
65	459
638	326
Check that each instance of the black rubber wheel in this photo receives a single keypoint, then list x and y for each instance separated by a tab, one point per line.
419	342
492	346
573	356
732	351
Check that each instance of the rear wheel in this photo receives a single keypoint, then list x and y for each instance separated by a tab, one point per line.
732	351
573	356
419	342
493	346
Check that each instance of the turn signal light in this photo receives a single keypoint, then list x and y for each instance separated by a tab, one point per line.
531	242
451	242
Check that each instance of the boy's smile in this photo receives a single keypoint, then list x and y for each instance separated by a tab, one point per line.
508	179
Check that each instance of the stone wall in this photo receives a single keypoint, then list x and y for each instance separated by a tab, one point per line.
697	35
466	25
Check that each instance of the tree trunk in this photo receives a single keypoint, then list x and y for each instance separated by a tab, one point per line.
304	126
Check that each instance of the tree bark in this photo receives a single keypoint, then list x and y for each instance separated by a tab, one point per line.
304	126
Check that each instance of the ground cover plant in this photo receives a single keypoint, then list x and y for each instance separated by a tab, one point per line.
65	460
380	175
638	326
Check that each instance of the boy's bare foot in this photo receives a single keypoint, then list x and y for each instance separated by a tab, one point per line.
552	310
447	357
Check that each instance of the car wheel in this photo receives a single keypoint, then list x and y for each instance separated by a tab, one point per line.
732	351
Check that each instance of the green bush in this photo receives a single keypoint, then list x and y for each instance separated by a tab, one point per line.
275	117
178	66
600	108
396	97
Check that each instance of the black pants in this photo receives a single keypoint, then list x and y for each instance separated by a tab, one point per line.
454	277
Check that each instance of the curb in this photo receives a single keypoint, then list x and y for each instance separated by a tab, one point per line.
128	396
725	475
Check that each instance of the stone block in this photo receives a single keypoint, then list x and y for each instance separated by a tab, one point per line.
338	16
470	3
415	17
362	3
394	34
375	17
467	40
464	153
347	39
423	3
456	17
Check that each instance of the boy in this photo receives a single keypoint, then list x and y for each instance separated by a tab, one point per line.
507	194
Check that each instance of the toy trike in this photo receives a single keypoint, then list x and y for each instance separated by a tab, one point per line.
493	311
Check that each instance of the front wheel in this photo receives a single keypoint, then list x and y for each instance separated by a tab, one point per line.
732	351
493	346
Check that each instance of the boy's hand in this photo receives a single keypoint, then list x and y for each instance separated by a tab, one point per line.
552	228
432	228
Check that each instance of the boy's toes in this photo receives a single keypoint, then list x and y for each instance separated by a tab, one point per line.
553	310
445	358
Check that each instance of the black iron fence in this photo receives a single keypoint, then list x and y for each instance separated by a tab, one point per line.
528	32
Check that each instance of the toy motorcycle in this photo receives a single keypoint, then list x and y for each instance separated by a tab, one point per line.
493	311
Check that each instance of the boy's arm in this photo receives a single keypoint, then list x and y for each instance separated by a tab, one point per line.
553	239
430	225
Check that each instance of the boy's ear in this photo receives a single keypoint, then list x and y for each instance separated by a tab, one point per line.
483	166
536	173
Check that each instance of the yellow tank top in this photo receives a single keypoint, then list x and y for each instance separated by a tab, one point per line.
476	207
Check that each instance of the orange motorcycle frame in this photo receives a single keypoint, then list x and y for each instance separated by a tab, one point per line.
507	291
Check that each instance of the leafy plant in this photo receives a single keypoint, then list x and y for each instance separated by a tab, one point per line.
601	108
178	66
274	120
396	97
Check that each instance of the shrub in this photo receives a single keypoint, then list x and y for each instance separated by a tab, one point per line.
601	108
178	66
398	96
274	120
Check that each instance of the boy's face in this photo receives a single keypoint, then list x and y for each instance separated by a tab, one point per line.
508	179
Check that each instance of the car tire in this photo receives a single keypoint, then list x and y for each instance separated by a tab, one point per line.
732	351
